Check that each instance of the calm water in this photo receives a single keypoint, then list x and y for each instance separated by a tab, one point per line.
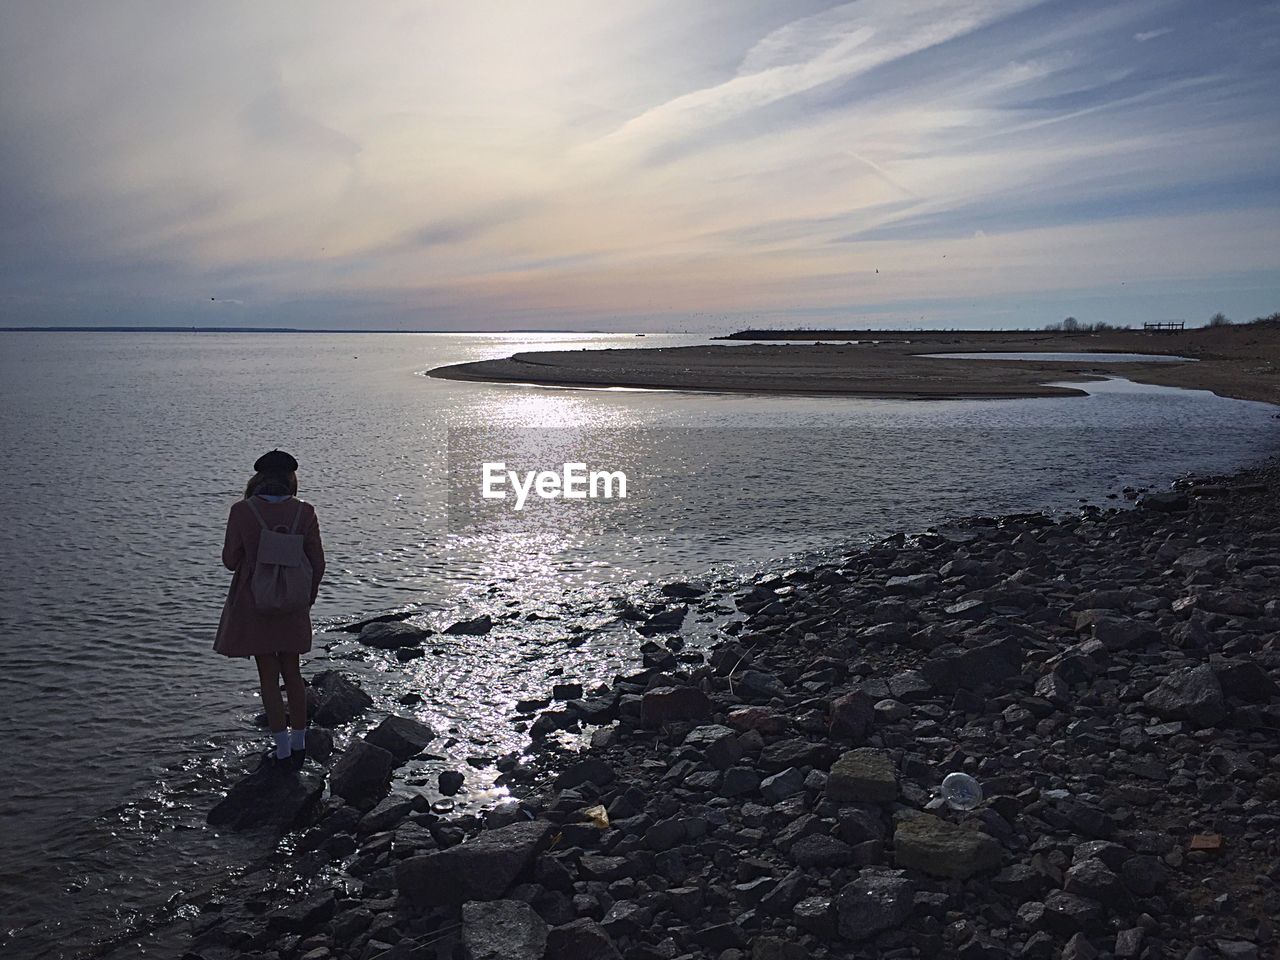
124	451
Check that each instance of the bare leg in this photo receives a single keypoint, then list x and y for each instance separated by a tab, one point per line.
269	680
295	688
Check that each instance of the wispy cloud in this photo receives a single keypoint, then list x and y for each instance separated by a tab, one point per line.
564	162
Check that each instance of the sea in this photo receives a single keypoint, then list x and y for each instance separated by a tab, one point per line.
122	453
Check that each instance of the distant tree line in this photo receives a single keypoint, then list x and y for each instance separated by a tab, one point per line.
1219	319
1072	325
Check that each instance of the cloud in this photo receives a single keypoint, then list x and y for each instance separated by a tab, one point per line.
563	162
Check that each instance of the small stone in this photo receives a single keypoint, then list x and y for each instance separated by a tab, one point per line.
1193	694
670	704
781	786
852	716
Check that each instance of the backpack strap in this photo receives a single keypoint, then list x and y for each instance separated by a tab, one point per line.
296	517
254	507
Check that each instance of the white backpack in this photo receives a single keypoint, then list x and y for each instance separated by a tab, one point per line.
281	581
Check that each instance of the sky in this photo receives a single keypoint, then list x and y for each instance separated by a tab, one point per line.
642	165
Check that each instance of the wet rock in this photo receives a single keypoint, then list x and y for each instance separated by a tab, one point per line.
402	737
876	901
944	849
682	590
450	782
1193	694
334	699
475	627
502	930
281	799
865	775
821	850
671	704
480	869
392	636
362	774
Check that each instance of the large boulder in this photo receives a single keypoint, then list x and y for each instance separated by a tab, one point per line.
283	799
481	869
392	636
334	699
1194	695
943	849
878	900
362	774
865	775
402	737
502	930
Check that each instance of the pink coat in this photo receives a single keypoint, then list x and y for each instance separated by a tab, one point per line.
242	631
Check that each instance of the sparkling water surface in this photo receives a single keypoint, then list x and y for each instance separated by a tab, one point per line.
123	453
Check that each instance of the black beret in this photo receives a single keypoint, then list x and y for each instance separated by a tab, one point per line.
277	461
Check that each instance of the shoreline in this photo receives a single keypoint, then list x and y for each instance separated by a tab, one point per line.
1237	362
770	796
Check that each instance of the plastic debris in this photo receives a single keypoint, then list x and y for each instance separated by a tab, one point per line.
961	791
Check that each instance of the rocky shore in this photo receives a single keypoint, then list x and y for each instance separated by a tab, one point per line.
1109	679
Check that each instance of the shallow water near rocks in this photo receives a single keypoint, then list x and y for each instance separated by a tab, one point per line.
124	452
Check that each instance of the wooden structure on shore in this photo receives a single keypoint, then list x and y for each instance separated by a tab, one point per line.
1165	325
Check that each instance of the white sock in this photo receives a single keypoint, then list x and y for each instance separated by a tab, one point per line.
298	739
282	744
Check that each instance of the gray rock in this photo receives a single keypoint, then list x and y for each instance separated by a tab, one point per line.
781	786
875	902
268	797
821	850
944	849
1193	694
670	704
450	782
583	939
392	636
852	716
480	869
865	775
502	930
402	737
589	770
334	699
775	948
718	743
476	627
972	669
740	782
362	774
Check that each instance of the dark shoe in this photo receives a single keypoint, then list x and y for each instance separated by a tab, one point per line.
268	762
296	759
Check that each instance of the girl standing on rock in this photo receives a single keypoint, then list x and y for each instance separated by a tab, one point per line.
273	546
